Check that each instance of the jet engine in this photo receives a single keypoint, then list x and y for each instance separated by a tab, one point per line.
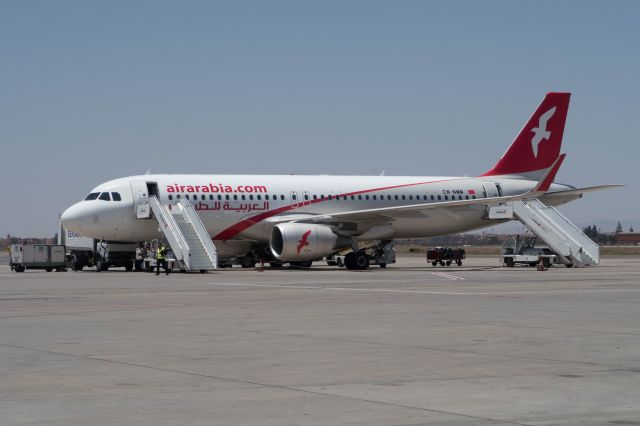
301	241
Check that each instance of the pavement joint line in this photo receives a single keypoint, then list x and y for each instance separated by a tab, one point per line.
448	276
267	385
444	293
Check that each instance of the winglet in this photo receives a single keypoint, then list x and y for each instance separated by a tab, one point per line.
547	179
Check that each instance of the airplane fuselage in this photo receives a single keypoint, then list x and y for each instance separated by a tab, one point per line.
244	208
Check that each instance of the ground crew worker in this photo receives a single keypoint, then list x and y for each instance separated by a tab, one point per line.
161	254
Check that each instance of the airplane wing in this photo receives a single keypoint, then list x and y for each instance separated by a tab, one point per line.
386	213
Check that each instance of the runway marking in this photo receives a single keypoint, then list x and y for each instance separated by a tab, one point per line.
448	276
445	293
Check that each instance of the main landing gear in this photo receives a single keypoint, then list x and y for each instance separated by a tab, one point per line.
357	260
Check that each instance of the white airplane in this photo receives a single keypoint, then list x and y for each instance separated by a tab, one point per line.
298	219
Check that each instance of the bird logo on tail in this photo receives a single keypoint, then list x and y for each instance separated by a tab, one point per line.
541	131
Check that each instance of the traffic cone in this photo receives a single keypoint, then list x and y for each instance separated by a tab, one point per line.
541	266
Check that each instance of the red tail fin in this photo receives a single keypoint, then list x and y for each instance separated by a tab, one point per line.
537	146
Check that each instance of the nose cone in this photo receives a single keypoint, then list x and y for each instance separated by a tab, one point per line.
76	218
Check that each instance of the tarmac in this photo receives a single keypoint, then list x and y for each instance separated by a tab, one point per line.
407	345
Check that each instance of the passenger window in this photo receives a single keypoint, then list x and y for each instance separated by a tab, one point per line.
104	196
359	197
353	197
397	198
210	197
439	197
259	197
170	197
251	197
293	197
282	197
459	197
235	197
411	197
92	196
446	197
116	196
473	196
226	197
266	197
374	197
403	197
315	197
432	198
203	197
424	197
466	197
366	197
389	197
178	196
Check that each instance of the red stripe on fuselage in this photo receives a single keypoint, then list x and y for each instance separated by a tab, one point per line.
237	228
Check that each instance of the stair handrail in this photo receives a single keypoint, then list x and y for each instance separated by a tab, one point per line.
548	224
176	240
201	230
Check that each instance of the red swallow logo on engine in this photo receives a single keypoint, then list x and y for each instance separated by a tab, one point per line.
303	242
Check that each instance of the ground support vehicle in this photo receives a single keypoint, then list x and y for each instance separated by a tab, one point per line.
82	251
445	256
37	256
381	254
523	251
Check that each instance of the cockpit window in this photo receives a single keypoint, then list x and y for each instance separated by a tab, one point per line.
104	196
92	196
116	196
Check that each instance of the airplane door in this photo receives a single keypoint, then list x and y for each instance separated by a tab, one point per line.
294	198
140	199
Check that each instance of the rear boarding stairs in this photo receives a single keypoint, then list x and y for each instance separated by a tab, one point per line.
571	245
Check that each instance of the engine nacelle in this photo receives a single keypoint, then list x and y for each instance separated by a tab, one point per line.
301	241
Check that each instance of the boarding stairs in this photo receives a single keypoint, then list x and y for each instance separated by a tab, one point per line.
186	235
558	232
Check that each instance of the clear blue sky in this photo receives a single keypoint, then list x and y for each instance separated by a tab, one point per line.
95	90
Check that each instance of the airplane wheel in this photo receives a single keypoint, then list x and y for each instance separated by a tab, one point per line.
275	265
48	269
203	271
302	264
350	261
434	263
128	267
448	263
459	262
383	265
19	268
361	261
509	262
